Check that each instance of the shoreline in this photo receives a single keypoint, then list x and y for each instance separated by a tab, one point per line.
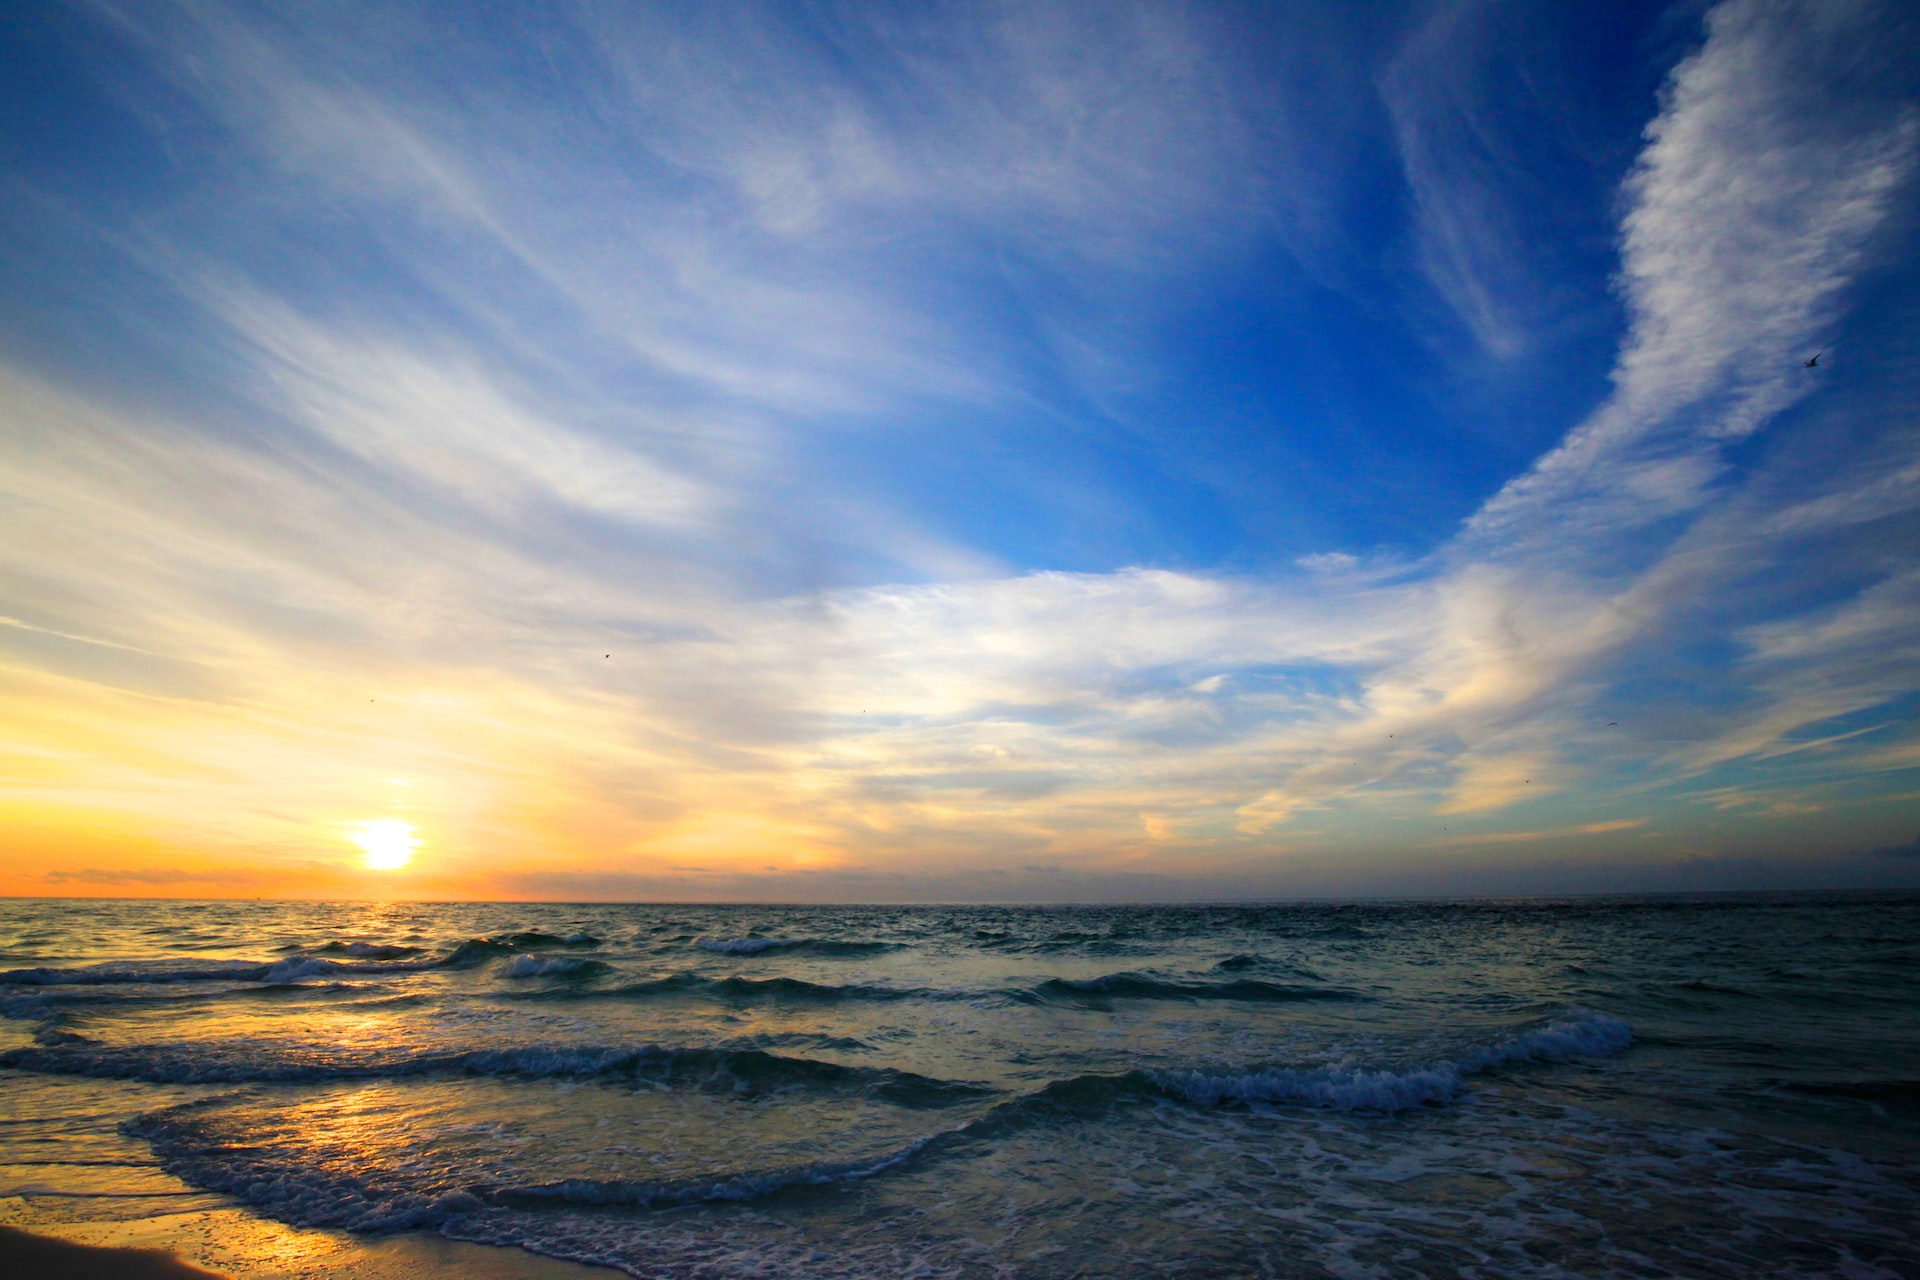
233	1243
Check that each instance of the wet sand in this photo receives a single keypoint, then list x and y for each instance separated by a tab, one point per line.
232	1244
50	1258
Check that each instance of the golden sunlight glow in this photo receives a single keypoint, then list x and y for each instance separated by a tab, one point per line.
389	843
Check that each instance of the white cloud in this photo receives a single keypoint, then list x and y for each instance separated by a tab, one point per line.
448	422
1749	211
1467	241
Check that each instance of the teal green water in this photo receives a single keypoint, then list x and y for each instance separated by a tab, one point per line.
1618	1087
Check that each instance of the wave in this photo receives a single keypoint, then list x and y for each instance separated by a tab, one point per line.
732	991
33	1003
50	1007
1079	941
196	1150
672	984
195	1143
477	951
253	1061
528	965
1243	962
816	946
360	958
1096	992
534	940
194	1146
756	1070
1140	986
365	950
270	991
1585	1036
138	971
738	990
298	968
752	1185
1327	1089
1089	992
798	989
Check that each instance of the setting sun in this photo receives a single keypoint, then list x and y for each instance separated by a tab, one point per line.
389	843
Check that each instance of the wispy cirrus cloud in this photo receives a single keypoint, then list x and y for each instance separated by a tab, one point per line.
1556	833
1748	213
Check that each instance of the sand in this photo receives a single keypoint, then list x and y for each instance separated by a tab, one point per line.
49	1258
231	1242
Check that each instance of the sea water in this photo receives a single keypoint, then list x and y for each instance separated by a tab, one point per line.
1593	1087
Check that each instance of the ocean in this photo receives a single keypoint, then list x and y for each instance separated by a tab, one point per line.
1632	1087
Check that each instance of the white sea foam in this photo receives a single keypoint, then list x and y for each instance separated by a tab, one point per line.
1335	1090
1591	1035
534	966
296	968
1585	1036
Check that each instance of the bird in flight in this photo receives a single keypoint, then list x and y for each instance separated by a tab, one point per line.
1813	362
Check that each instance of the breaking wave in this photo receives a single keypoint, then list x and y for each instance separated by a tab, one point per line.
1586	1036
527	965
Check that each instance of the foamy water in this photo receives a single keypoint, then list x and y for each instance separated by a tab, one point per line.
1645	1087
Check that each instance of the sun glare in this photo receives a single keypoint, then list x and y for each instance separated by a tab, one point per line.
389	843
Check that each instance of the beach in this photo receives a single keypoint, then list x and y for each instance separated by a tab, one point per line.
235	1245
53	1258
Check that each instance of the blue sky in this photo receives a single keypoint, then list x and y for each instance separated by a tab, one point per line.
959	451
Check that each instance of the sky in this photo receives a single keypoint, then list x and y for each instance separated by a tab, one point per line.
977	452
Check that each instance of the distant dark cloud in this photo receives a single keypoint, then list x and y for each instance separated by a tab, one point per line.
1911	849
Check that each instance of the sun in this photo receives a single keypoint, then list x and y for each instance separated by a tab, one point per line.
389	843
